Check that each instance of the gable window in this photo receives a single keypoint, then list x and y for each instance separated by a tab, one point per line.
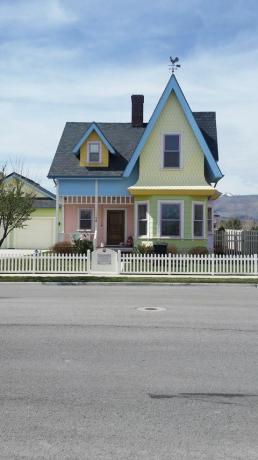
142	219
171	151
94	152
170	219
210	219
198	220
86	219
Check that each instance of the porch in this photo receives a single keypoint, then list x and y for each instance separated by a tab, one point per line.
105	220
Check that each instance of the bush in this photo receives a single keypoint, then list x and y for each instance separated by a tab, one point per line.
63	247
145	249
199	250
219	250
82	246
172	250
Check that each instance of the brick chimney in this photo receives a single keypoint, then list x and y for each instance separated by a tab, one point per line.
137	110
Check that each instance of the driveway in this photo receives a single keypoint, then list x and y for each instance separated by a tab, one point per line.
85	375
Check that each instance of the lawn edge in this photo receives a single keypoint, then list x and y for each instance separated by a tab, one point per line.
132	280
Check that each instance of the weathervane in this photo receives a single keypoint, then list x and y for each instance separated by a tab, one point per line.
174	66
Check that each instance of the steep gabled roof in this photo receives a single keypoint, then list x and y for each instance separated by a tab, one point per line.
31	183
96	128
122	136
212	169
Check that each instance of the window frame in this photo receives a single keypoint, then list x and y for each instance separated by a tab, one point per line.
137	220
171	237
88	152
210	232
163	152
92	219
199	203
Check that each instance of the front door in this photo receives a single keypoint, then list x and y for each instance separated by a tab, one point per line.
115	227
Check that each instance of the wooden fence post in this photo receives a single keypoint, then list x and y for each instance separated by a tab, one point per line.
169	263
212	264
118	262
255	265
88	260
34	262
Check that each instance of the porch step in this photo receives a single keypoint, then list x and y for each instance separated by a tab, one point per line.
121	248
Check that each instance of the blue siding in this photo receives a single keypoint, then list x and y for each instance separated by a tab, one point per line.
107	187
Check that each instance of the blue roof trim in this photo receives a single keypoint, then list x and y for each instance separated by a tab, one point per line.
93	127
172	85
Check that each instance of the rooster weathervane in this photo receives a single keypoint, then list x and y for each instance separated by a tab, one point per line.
174	66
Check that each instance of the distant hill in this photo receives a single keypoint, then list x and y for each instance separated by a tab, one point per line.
241	206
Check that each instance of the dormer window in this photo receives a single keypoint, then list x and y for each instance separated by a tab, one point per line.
94	152
171	151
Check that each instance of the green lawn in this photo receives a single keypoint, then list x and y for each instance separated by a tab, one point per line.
123	279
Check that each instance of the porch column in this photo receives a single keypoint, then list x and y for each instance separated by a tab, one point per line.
57	211
96	214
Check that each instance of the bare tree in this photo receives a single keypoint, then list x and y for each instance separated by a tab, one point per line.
16	205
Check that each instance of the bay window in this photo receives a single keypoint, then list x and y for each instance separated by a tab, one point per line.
210	219
170	219
198	220
142	219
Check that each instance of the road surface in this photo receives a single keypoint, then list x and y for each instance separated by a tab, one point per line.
85	375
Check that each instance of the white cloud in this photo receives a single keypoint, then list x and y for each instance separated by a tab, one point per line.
41	87
35	14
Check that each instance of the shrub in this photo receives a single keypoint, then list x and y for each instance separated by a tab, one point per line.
145	249
219	250
82	246
172	250
63	247
199	250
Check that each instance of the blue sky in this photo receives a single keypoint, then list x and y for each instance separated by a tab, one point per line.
81	60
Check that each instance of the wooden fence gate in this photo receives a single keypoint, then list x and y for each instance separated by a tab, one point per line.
236	242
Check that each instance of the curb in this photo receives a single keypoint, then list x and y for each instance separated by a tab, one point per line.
128	283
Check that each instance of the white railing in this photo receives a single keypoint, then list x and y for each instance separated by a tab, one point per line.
183	264
83	235
45	263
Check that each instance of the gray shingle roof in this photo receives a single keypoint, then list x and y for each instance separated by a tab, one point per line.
44	203
207	124
46	192
124	138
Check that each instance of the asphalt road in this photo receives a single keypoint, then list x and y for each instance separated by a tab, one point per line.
85	375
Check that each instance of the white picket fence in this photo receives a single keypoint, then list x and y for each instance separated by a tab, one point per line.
131	264
44	263
183	264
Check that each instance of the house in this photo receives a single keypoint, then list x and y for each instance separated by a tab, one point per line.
154	182
39	232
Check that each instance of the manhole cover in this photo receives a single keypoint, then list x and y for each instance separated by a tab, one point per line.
151	309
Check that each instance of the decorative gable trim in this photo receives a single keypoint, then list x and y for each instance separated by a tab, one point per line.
93	127
213	169
31	184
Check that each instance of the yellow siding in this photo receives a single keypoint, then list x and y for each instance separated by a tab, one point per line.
104	152
172	120
27	188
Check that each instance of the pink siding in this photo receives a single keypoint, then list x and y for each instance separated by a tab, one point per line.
71	219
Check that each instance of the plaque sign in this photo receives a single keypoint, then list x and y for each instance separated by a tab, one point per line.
104	260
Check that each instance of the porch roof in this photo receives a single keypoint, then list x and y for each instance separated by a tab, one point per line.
205	190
